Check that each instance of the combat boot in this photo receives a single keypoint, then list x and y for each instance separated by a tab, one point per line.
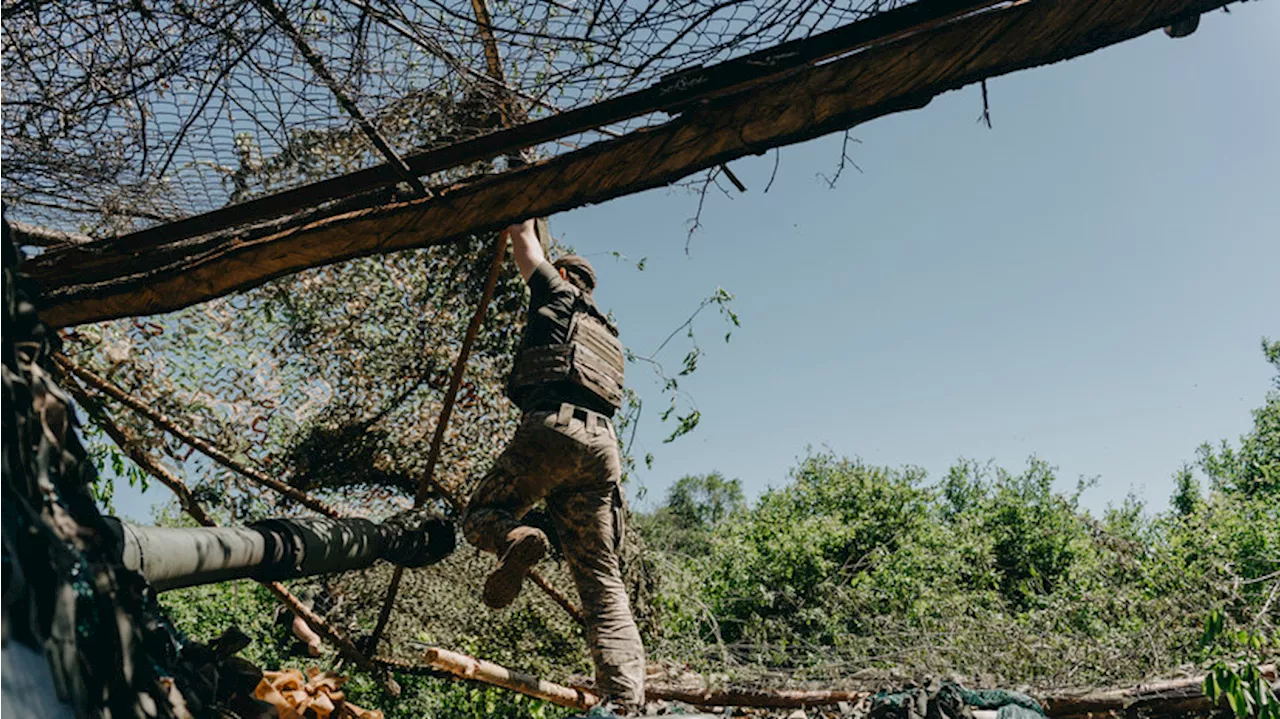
526	546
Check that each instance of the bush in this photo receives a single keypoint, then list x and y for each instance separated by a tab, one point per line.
988	572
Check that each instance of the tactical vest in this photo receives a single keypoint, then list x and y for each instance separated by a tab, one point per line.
591	358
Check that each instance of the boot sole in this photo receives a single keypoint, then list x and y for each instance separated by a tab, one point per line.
504	584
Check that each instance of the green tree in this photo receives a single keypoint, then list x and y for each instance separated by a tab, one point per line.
1252	469
694	507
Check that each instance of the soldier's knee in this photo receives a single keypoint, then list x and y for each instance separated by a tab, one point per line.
474	529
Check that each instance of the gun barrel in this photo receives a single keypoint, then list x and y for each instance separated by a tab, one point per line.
171	558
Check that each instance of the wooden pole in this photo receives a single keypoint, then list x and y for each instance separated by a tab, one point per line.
466	667
107	280
442	423
437	442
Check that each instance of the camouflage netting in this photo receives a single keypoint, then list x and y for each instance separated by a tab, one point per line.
110	650
333	380
119	116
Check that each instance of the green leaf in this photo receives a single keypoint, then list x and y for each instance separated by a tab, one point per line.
1238	705
1211	687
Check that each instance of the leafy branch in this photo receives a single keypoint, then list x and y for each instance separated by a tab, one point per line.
1235	674
721	299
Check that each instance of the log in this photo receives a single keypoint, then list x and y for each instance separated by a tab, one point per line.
465	667
1175	697
773	699
1172	697
32	236
103	281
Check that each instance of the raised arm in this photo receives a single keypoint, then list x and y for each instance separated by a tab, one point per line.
526	248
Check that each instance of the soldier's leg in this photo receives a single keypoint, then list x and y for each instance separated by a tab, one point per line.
530	467
498	502
589	521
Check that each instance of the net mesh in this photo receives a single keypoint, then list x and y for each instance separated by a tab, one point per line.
126	115
123	115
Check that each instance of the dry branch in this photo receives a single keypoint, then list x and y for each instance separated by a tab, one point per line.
773	699
148	463
100	384
30	235
816	101
465	667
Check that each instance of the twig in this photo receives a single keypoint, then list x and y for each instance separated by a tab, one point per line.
844	160
733	178
362	121
777	159
102	385
985	117
696	222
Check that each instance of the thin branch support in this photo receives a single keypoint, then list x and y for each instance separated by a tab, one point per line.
102	385
313	59
480	670
442	424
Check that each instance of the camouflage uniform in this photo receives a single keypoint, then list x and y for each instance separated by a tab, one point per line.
568	456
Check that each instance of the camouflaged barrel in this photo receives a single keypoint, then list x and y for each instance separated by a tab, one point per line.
280	548
84	636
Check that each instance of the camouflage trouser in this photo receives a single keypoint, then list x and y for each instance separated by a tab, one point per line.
573	464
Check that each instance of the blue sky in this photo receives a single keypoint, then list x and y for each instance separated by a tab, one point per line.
1087	282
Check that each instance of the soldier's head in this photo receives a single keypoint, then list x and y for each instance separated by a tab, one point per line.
577	271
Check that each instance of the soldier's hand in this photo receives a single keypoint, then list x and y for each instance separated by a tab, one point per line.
521	228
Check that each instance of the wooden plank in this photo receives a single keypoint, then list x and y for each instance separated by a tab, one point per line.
819	100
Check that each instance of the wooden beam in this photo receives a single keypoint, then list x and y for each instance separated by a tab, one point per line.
819	100
480	670
683	88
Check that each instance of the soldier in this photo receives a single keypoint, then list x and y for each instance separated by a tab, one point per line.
567	380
